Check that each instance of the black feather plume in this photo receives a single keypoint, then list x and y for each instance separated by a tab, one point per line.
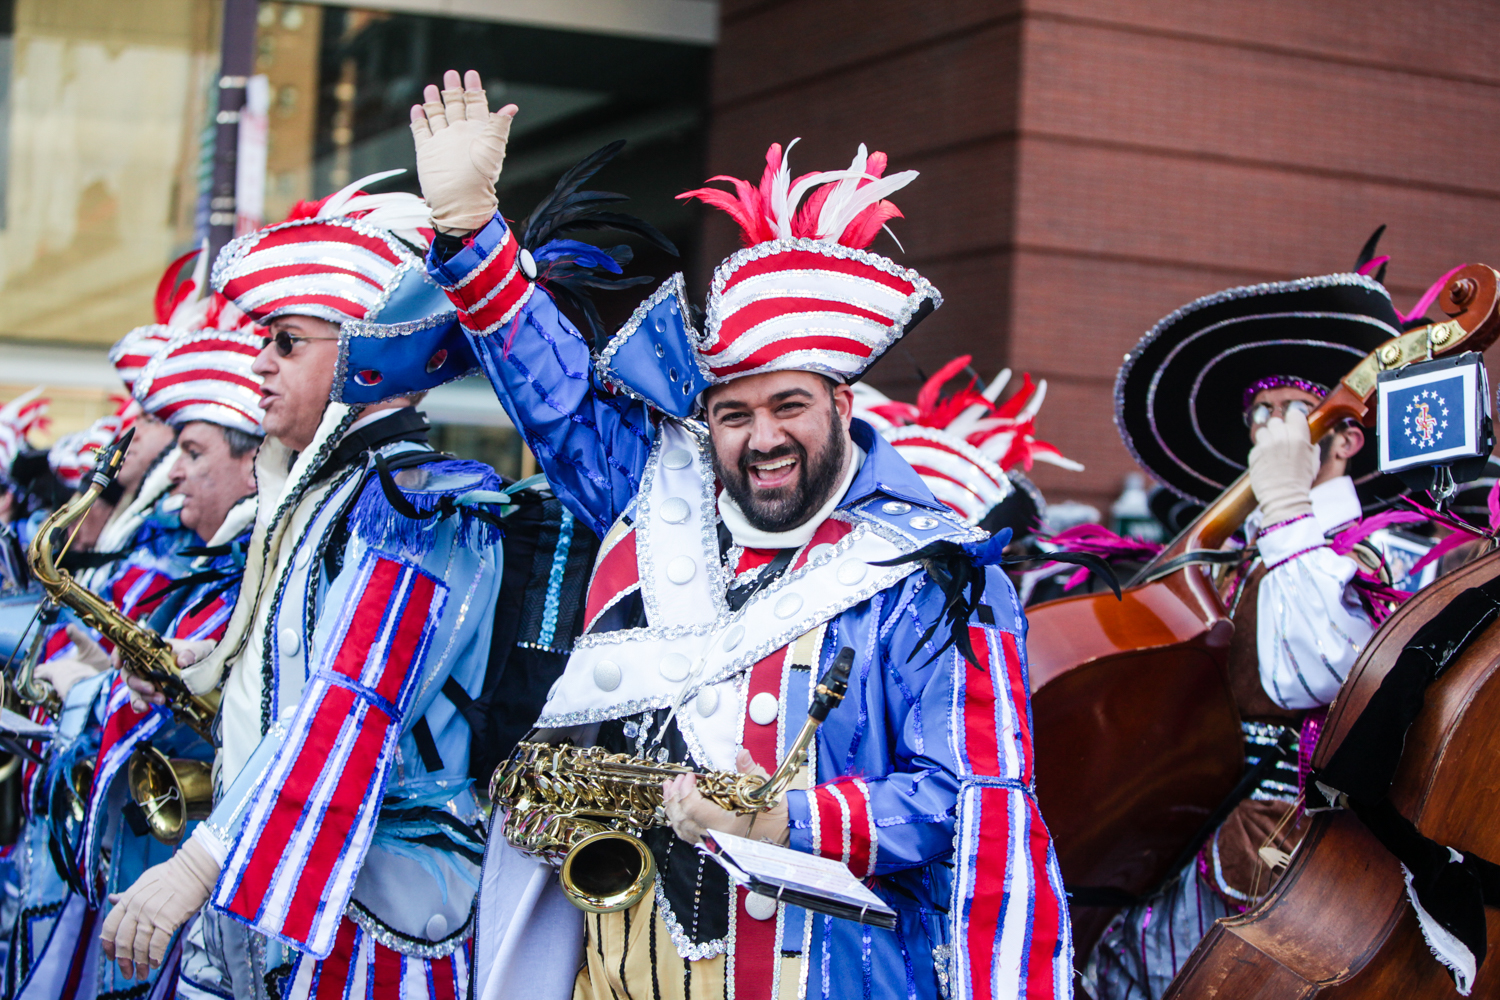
568	209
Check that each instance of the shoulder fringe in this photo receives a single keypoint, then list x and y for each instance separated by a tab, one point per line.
409	516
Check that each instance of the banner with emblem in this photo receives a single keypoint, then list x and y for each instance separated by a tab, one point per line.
1434	413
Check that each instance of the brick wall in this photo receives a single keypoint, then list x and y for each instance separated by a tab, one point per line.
1088	166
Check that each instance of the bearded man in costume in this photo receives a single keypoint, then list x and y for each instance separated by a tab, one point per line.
343	851
200	385
1223	385
749	525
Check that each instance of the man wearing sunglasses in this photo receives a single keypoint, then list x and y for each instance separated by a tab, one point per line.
345	843
1220	387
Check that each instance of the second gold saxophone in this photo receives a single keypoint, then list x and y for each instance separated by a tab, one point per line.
583	809
143	653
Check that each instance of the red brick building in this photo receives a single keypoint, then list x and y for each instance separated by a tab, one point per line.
1089	165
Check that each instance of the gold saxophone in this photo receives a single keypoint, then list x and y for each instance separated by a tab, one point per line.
584	810
169	791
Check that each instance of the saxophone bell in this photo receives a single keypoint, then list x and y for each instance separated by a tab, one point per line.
607	871
170	792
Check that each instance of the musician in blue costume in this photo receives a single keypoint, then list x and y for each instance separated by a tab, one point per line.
201	386
342	855
750	530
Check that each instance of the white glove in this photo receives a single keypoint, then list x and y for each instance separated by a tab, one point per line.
145	916
690	814
460	148
1283	465
89	651
62	673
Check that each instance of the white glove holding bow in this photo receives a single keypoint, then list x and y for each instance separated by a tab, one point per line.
460	149
1283	465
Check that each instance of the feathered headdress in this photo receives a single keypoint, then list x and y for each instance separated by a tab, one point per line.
18	418
964	445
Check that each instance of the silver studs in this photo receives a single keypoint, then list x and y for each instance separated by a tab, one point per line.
708	702
764	708
607	675
304	553
661	327
671	374
528	264
895	507
818	553
681	569
733	637
687	388
437	924
788	605
674	510
291	642
677	458
674	667
852	572
552	691
661	351
923	523
760	907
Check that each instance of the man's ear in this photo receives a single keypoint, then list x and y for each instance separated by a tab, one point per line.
1348	442
843	401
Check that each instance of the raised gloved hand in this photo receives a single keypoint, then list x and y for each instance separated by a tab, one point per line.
145	916
690	814
460	148
1283	465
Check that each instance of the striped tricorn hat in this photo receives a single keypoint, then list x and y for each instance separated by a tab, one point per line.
803	295
205	375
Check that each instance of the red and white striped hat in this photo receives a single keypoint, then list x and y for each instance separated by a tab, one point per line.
18	418
335	259
804	294
134	351
205	375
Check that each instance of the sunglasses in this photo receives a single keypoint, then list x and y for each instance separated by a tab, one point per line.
285	341
1263	412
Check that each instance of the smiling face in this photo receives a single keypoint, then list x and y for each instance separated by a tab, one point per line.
209	477
294	389
781	444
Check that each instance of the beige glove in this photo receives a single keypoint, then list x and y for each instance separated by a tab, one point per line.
65	671
690	814
460	148
145	916
1283	465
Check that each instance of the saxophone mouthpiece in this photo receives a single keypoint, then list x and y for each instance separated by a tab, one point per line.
111	458
830	690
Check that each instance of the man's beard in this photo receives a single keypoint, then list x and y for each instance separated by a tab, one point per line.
789	506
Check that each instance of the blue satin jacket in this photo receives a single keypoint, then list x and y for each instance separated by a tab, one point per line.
924	773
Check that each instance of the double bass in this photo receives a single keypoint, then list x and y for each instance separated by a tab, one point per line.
1136	732
1337	924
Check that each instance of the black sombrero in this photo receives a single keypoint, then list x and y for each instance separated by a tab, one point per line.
1179	395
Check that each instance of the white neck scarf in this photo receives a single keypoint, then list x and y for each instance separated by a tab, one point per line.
747	535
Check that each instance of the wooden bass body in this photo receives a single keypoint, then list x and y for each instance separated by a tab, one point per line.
1337	925
1137	737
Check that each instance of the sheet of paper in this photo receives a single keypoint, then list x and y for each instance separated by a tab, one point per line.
20	725
769	861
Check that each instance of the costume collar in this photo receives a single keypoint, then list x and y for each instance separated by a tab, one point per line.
1335	503
405	423
885	472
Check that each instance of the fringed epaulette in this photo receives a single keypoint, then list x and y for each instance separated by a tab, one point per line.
958	570
404	507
